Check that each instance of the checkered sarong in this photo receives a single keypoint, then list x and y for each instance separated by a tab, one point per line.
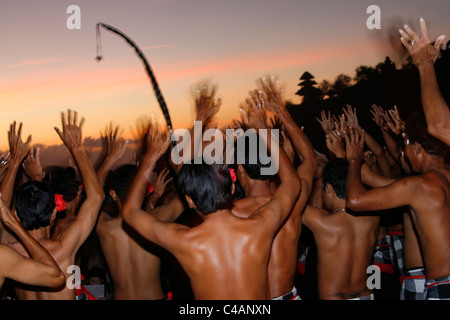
293	295
413	284
438	289
369	297
383	255
397	243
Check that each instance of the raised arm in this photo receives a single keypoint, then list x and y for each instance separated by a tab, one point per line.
424	54
303	147
286	195
358	197
371	143
115	148
148	225
74	236
32	165
40	270
159	185
18	151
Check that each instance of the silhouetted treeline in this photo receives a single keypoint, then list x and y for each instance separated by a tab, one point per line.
384	84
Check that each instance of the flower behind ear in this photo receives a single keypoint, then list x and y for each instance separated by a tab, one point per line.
60	203
233	175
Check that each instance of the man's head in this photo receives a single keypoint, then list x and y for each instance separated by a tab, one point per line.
117	186
419	142
250	149
35	205
208	188
334	181
63	181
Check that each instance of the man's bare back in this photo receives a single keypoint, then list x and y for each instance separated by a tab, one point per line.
234	261
132	261
433	199
24	292
345	245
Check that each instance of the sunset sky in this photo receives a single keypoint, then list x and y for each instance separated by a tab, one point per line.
46	68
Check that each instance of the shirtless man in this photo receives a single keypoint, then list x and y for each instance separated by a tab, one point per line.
62	181
39	222
133	262
225	256
345	243
424	54
428	195
283	256
38	270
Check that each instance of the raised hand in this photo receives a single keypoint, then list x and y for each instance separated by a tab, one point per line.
7	217
421	49
378	113
352	119
32	165
254	115
17	148
354	142
206	104
157	141
71	131
335	143
393	122
159	185
326	121
114	143
273	93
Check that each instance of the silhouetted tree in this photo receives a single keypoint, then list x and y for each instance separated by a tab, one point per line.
341	83
308	89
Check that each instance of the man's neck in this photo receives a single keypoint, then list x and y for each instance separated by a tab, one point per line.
338	206
258	188
431	162
40	234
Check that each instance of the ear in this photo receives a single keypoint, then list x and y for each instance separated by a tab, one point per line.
329	188
233	188
417	147
53	217
241	170
113	194
190	202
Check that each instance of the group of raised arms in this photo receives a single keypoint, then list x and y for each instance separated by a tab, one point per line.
247	211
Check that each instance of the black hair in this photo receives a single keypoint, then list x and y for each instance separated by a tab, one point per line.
120	181
416	130
34	205
96	272
63	181
335	174
208	185
250	156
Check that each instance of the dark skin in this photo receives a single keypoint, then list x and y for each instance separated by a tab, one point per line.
64	248
225	256
428	195
345	246
134	264
424	54
39	269
283	256
412	255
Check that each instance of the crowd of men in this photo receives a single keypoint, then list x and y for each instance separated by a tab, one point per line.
225	230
